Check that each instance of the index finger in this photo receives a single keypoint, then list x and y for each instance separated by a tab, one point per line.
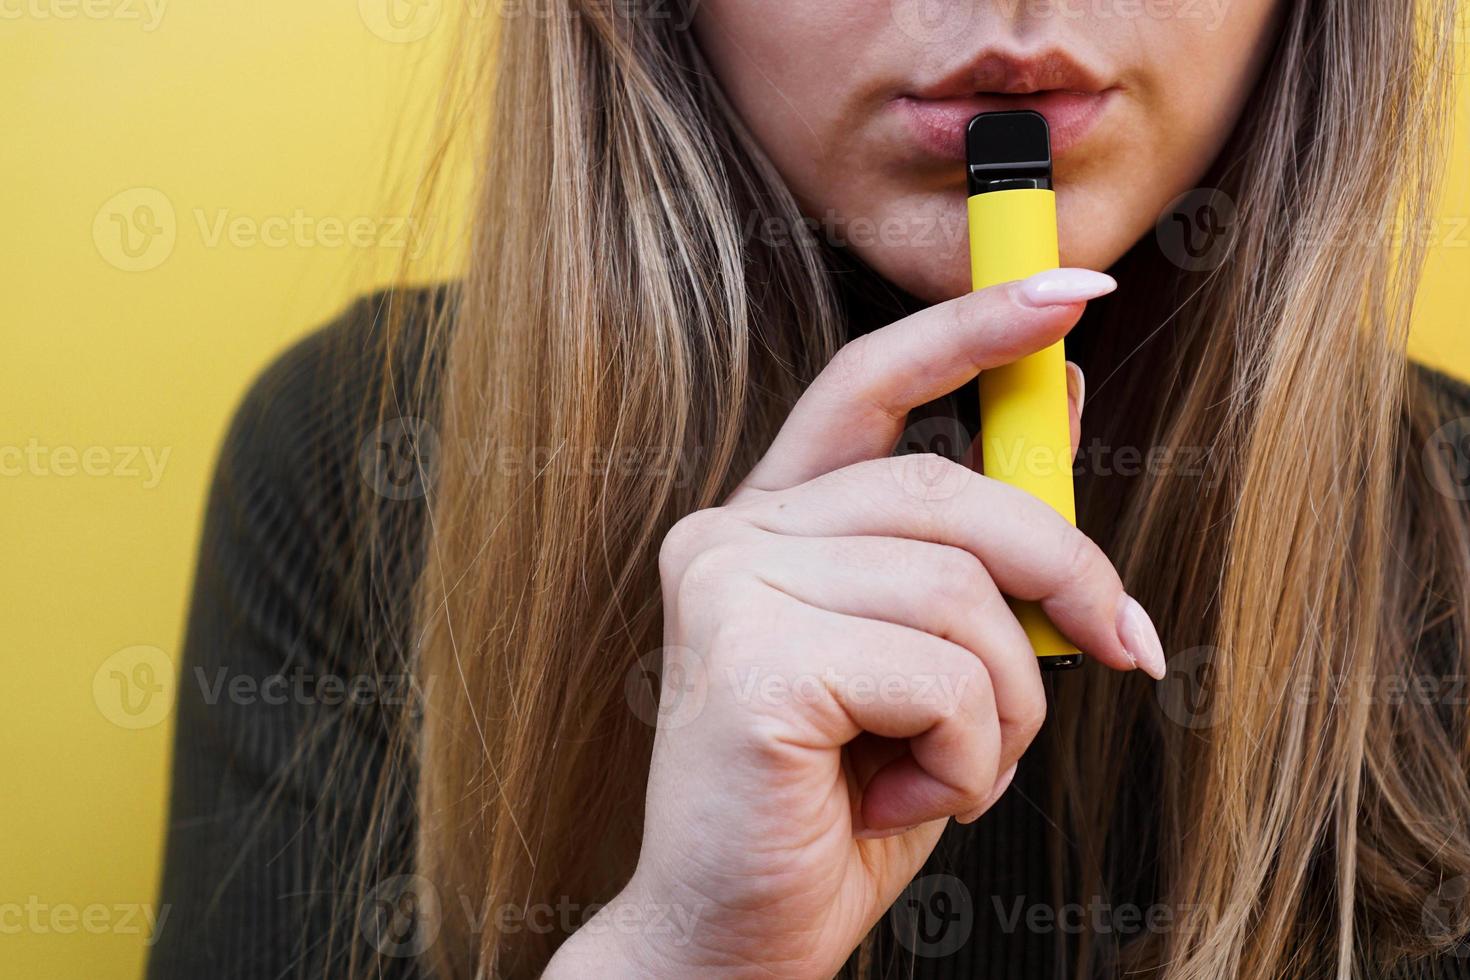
1030	551
857	407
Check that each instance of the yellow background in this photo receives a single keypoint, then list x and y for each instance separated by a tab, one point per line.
253	115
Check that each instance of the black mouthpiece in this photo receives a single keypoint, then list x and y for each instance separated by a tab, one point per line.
1007	151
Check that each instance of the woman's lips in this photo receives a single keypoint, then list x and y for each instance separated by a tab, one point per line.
938	125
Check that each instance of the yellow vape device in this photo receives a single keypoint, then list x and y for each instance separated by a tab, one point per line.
1024	424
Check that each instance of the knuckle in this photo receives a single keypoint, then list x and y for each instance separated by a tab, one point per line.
930	479
1030	715
960	578
707	570
690	536
927	463
852	378
847	369
1080	560
716	579
977	697
974	786
991	603
967	308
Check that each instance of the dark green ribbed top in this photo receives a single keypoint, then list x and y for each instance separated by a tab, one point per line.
276	768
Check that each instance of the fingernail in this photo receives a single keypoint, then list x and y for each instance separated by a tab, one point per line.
1001	785
1137	634
1059	287
1076	385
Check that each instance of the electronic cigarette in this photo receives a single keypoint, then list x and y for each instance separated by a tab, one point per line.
1024	424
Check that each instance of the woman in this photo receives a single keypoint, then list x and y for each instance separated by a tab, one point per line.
718	274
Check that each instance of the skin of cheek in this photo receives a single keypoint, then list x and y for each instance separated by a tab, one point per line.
809	79
1194	84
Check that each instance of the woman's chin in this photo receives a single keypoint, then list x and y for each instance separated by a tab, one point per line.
930	275
949	284
938	268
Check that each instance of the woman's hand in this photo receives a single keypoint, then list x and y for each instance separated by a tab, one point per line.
842	673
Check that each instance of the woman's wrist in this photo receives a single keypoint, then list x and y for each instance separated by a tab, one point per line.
639	935
604	953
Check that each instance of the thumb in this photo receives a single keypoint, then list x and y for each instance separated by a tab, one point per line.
1076	391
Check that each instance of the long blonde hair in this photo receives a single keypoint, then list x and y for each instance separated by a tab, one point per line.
623	348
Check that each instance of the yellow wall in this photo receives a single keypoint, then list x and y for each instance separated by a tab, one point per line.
1441	334
258	113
